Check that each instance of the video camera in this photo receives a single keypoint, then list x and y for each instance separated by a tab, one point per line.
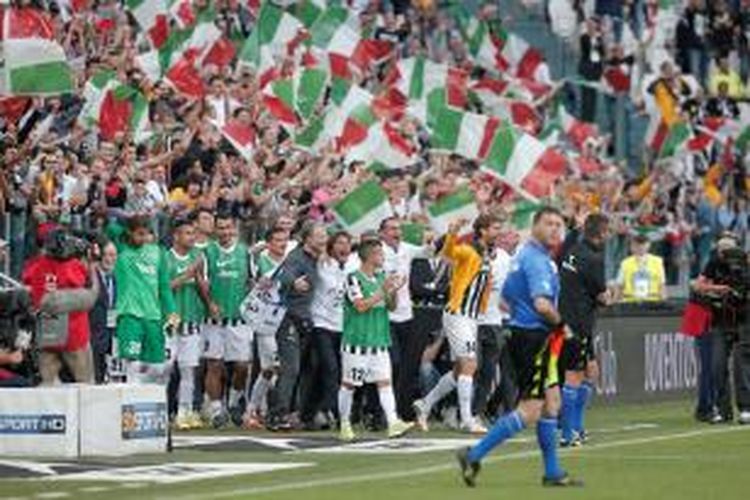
17	321
61	244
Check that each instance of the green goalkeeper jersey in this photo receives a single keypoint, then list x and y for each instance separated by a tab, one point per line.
187	298
266	265
228	272
370	328
142	278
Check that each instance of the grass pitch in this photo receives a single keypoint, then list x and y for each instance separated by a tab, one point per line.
636	452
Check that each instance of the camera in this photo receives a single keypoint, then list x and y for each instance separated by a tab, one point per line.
16	319
63	245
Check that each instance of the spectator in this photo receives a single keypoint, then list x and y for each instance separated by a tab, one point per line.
723	73
641	277
722	105
591	67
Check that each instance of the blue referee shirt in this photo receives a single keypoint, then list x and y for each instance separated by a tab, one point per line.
533	274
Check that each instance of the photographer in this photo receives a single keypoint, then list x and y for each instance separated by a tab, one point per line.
58	280
723	286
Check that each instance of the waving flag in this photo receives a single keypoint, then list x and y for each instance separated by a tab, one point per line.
296	98
114	108
364	208
35	64
336	33
467	134
524	162
152	17
458	205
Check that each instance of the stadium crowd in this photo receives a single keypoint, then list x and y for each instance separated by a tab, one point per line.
186	182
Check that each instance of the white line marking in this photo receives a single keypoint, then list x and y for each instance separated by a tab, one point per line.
94	489
133	486
401	474
53	494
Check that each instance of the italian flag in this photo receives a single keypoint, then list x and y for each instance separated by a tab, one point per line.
656	133
509	101
483	47
278	31
577	131
178	60
363	209
384	147
35	64
308	11
347	123
676	141
523	212
524	162
517	56
241	136
295	99
151	16
467	134
336	33
114	108
457	205
429	86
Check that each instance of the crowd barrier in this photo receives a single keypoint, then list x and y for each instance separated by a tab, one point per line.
83	420
642	356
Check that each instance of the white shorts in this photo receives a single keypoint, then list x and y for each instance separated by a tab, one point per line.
365	365
184	348
268	351
228	343
462	335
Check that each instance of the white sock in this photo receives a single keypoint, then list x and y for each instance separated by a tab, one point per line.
346	396
465	387
133	372
214	407
186	389
259	393
388	404
444	387
234	397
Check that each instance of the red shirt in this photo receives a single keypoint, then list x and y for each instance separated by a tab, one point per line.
66	274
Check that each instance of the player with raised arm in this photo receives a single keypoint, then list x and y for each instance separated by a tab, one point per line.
366	338
471	282
537	334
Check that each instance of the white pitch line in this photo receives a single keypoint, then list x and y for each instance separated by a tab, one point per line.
53	494
94	489
402	474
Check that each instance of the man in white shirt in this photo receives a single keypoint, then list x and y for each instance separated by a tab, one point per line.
328	318
406	351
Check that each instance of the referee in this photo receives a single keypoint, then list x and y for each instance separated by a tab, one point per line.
583	289
531	292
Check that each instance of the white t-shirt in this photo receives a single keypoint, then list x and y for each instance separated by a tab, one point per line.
399	261
328	298
500	267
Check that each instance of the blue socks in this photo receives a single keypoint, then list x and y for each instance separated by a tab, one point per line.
569	412
546	435
505	428
585	391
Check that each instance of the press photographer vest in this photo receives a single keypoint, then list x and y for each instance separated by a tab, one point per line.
641	281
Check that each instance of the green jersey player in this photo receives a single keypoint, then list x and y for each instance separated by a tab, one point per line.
185	265
144	302
228	338
366	338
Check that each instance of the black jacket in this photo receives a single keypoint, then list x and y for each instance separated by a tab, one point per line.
429	283
581	282
100	334
299	263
